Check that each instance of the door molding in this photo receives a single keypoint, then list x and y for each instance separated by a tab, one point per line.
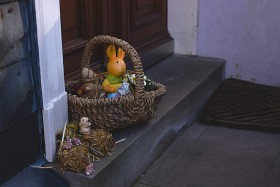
55	111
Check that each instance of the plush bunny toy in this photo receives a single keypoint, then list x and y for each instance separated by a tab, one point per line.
87	75
116	68
84	125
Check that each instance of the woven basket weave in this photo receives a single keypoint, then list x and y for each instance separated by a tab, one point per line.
123	111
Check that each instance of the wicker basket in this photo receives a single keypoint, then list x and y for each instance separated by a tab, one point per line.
123	111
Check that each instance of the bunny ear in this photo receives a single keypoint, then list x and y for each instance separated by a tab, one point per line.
111	52
121	53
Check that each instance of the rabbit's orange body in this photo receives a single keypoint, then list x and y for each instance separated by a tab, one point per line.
116	68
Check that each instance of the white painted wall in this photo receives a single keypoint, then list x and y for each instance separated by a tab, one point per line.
182	25
246	33
55	112
243	32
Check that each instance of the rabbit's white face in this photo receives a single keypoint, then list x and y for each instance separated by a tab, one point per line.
84	119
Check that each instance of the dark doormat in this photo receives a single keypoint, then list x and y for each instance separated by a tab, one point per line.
241	104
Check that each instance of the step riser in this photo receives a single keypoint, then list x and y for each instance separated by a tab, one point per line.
131	163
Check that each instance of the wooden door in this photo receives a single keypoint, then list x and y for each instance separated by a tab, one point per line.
76	29
142	23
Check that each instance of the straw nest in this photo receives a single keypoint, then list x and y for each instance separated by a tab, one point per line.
76	159
94	146
101	142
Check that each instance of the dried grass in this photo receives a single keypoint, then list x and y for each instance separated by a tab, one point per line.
94	146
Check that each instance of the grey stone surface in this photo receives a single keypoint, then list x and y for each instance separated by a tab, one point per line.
275	180
217	157
241	143
189	82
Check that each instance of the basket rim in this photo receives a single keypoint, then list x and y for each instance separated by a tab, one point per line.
161	89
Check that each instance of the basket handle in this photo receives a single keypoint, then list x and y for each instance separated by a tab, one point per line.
128	49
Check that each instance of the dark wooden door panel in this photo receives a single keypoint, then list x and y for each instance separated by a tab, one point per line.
71	26
76	26
143	23
145	12
148	23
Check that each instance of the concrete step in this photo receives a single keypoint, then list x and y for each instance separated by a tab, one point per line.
189	81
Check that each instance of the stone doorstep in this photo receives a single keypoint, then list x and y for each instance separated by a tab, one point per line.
189	82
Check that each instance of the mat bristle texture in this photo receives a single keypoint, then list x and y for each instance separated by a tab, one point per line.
243	104
120	112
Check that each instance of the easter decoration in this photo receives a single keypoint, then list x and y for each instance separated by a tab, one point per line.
116	68
102	102
88	76
84	125
148	84
117	98
88	87
79	146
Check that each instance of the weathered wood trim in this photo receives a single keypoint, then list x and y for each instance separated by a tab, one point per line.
55	112
35	55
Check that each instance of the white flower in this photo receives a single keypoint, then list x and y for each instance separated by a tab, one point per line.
132	79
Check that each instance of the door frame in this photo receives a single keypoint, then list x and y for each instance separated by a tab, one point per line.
55	111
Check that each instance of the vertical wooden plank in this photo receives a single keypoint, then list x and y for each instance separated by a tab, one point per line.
15	64
19	112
